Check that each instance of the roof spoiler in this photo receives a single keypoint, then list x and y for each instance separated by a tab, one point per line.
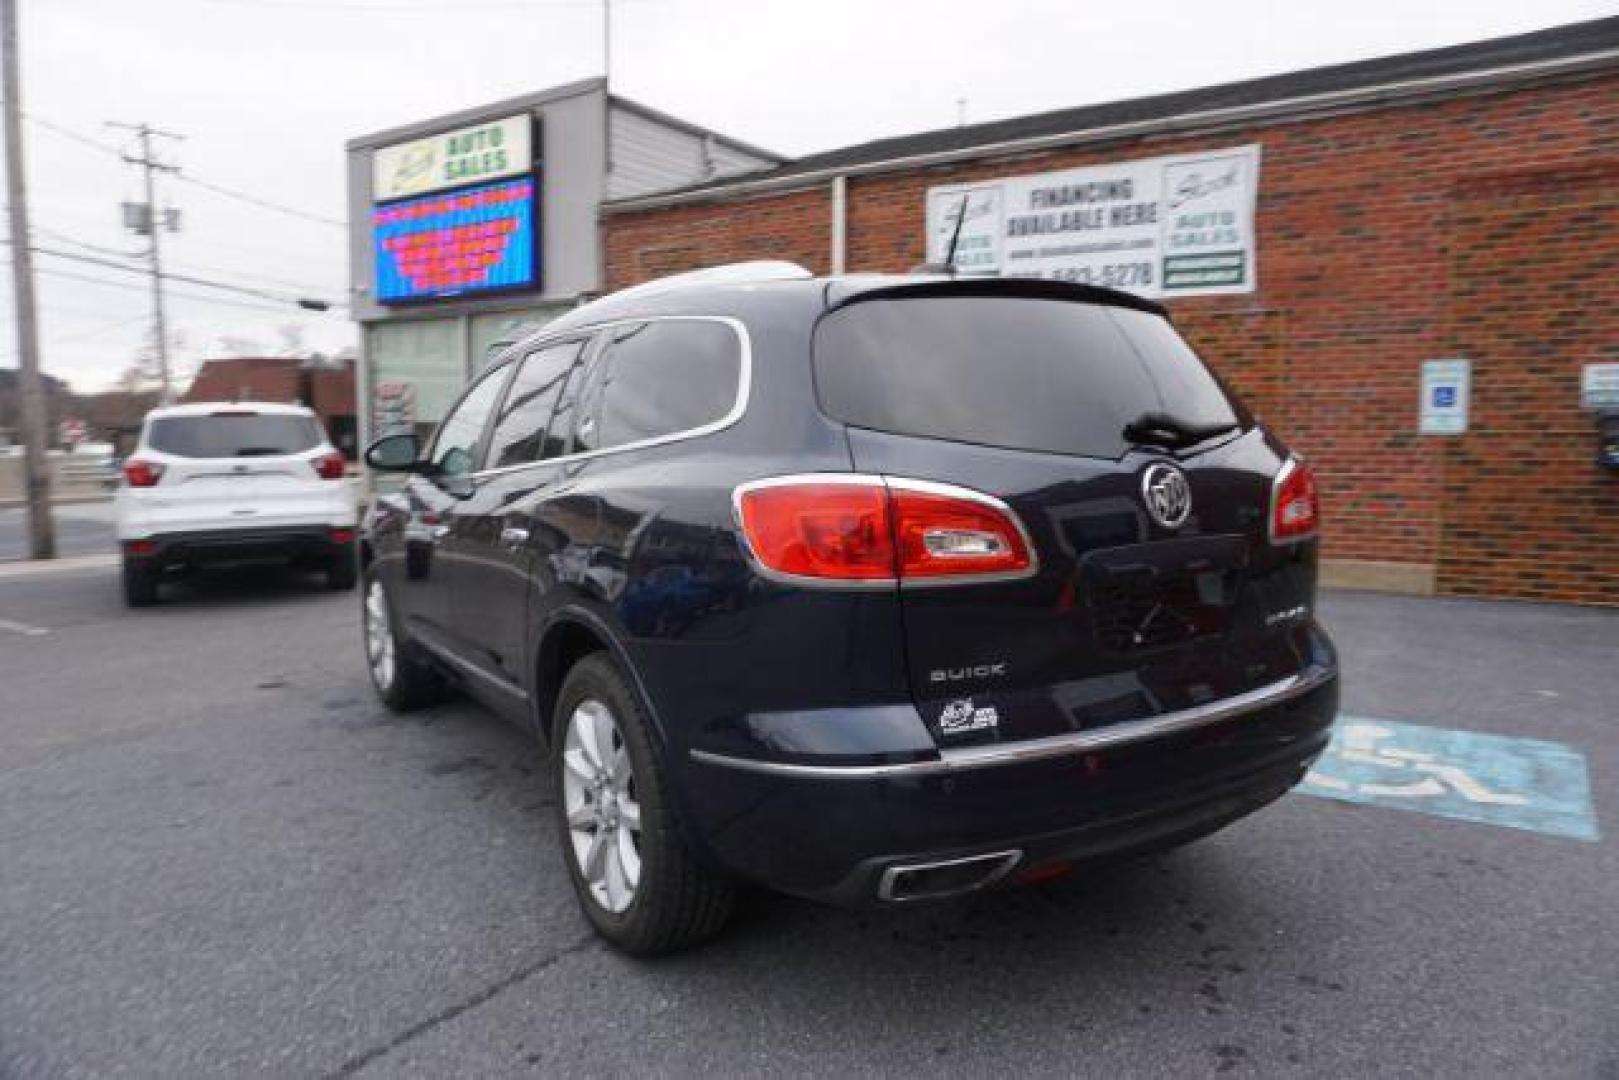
852	291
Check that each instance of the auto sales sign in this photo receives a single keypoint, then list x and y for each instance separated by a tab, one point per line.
1156	227
451	159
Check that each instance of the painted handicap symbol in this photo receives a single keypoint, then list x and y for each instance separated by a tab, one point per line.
1361	741
1500	780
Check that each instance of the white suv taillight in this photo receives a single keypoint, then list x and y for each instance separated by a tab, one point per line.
330	466
880	530
1295	503
142	474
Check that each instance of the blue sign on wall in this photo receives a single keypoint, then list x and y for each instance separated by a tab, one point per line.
477	239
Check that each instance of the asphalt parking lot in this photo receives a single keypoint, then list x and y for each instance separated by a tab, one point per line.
221	856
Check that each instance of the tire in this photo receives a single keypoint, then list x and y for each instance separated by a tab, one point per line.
672	903
140	582
343	569
402	679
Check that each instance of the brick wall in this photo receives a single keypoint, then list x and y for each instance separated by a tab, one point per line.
1483	226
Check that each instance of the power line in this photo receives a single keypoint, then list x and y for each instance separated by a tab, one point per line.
185	279
68	275
186	177
254	200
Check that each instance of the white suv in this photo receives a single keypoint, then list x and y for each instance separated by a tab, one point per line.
218	482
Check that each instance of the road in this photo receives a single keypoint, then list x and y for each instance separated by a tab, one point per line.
81	529
222	857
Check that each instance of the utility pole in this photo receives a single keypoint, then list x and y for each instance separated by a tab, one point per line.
41	529
149	166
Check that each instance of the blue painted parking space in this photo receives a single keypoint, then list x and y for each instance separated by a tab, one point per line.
1531	784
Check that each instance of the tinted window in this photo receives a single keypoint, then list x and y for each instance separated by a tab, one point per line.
520	432
234	434
660	378
1030	374
455	451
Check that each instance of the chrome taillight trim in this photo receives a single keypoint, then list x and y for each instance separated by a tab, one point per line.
902	483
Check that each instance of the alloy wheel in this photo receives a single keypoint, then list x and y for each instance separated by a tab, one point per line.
603	811
379	640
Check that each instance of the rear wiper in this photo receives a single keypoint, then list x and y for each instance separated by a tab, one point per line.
259	451
1162	429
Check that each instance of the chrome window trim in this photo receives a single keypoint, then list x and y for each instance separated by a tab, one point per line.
965	759
739	406
904	483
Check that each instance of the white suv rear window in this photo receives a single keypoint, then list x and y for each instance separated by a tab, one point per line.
239	434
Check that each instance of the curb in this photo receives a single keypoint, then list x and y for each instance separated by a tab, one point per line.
10	568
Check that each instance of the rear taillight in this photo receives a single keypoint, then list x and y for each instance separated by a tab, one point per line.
949	532
330	466
827	528
877	530
341	536
138	473
1295	503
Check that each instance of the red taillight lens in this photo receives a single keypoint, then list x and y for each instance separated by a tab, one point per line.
342	536
949	532
140	547
330	466
138	473
1295	503
866	528
835	530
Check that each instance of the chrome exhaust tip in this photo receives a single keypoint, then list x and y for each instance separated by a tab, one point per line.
947	877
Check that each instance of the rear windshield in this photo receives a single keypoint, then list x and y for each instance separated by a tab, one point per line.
1029	374
234	435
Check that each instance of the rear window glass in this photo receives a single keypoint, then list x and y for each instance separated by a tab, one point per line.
234	435
1028	374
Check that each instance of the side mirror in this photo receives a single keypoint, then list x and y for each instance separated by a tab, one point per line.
394	453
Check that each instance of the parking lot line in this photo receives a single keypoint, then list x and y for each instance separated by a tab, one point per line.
1514	783
22	628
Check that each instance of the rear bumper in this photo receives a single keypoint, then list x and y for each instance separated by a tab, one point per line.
834	832
220	546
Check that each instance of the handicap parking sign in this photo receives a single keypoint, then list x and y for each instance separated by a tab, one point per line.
1444	397
1515	783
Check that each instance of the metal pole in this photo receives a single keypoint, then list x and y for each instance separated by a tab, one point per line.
41	529
167	392
149	166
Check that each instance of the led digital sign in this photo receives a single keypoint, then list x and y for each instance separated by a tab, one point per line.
477	239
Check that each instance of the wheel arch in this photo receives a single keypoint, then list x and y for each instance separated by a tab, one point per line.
564	639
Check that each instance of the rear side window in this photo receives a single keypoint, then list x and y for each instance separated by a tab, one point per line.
520	433
662	378
234	434
1028	374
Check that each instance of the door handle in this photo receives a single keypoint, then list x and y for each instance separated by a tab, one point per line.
513	535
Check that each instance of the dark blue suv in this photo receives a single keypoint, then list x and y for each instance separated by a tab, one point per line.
868	589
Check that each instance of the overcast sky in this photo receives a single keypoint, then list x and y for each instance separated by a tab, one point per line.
267	91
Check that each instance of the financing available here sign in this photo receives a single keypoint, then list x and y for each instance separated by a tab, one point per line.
1156	227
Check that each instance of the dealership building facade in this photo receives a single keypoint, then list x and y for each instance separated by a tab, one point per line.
467	229
1409	267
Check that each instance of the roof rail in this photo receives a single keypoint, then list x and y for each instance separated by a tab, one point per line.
743	273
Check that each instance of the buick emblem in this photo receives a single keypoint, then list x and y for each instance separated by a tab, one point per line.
1167	495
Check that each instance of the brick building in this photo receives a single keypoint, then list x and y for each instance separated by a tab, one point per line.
326	386
1457	203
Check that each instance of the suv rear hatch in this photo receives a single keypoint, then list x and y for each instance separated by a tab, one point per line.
236	468
1067	404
